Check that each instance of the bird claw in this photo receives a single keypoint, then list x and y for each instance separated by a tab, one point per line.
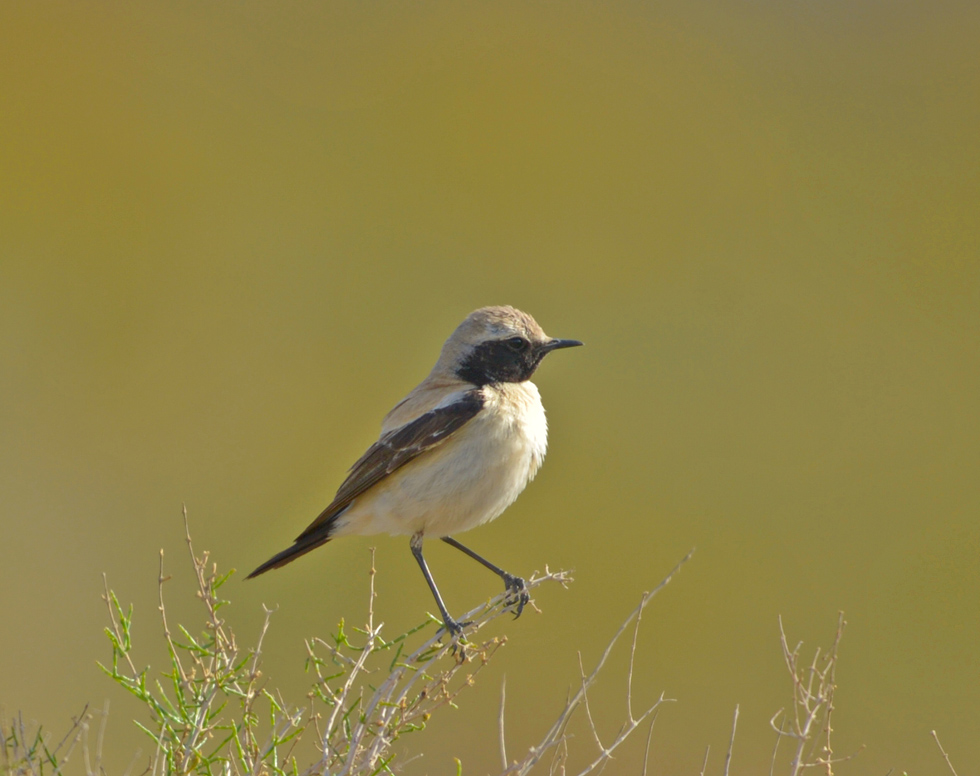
518	593
455	631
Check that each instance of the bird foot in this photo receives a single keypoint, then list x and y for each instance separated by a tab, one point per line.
518	594
455	631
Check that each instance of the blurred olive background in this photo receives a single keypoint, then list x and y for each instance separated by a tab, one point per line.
232	236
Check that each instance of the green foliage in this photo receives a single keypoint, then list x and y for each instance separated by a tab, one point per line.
26	751
209	711
205	708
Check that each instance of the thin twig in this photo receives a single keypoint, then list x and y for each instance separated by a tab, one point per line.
500	723
779	734
588	710
629	675
646	751
161	579
814	686
943	751
555	736
100	740
76	724
731	743
832	685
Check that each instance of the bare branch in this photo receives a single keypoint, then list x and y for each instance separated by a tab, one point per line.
814	685
646	751
731	743
781	731
555	734
943	751
500	723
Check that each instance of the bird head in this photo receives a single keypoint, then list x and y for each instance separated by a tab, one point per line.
497	345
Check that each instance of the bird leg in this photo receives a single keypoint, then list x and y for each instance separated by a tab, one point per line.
454	628
515	585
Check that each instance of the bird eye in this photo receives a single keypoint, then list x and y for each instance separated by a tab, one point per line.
517	343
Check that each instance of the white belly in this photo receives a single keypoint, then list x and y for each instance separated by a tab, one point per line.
468	480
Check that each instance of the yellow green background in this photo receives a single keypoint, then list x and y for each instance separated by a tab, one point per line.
233	235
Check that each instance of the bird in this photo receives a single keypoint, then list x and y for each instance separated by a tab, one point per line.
453	454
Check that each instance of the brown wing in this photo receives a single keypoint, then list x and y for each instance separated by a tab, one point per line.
395	449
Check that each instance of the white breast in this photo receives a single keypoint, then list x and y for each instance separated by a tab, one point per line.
468	480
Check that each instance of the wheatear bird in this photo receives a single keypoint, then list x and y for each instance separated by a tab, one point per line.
454	453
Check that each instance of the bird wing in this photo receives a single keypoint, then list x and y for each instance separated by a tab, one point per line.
396	448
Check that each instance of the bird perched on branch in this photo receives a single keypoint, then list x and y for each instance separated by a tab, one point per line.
454	453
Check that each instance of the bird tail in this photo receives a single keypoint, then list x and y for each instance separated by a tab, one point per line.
302	546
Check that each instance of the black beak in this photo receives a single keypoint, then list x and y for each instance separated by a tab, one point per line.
558	344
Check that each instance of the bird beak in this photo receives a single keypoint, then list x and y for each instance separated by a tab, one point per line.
558	344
